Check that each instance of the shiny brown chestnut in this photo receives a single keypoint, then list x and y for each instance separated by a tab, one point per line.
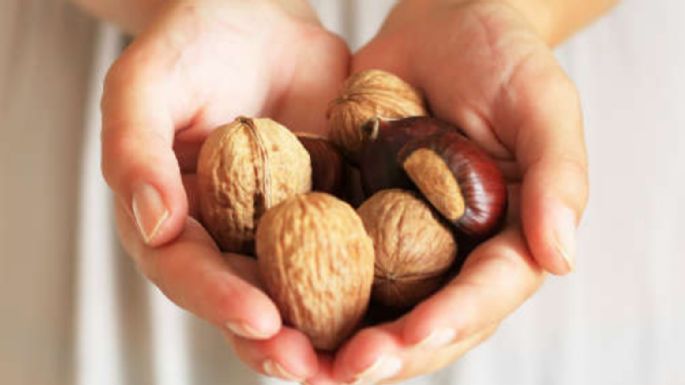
329	169
383	139
459	179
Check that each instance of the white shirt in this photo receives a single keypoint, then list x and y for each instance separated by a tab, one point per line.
74	311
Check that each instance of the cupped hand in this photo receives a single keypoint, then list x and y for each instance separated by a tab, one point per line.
197	65
482	67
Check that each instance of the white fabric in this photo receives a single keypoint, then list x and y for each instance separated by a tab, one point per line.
74	311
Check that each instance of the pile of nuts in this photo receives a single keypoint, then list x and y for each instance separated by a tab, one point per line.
286	198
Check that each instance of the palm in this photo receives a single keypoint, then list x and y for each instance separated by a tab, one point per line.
209	69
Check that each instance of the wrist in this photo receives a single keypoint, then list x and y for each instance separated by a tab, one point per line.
537	14
134	16
557	20
552	20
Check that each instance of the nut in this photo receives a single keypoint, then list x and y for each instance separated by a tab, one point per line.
367	94
244	168
413	248
383	139
316	262
328	165
459	179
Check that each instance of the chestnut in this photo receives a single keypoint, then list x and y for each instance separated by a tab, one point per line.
329	169
383	140
459	179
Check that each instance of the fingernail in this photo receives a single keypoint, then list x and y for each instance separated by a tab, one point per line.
149	211
244	330
274	369
384	368
565	232
437	339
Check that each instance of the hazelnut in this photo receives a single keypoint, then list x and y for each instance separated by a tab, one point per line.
244	168
459	179
367	94
413	247
316	262
328	165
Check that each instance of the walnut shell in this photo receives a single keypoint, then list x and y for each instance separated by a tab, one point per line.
316	263
413	248
243	169
365	95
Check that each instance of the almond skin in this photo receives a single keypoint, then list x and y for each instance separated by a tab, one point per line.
316	262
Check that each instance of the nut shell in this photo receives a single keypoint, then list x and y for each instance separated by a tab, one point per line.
244	168
316	262
413	247
367	94
328	165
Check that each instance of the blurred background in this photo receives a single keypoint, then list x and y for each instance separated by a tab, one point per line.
74	311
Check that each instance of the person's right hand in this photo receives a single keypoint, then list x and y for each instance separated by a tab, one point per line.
200	64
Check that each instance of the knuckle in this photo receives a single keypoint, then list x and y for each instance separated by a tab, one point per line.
225	295
117	161
576	169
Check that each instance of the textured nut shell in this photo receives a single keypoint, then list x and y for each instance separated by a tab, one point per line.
413	248
316	261
365	95
244	168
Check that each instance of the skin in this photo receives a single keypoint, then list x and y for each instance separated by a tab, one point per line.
197	64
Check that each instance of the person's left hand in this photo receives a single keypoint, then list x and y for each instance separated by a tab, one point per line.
482	67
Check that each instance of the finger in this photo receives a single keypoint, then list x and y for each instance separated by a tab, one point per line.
192	273
424	361
288	355
324	376
496	279
377	354
372	355
137	157
542	122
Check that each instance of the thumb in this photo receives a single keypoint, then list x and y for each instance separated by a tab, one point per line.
549	146
138	161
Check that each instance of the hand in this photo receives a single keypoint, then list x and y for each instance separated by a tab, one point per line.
482	66
200	64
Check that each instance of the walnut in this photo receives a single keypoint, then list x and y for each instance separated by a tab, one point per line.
316	262
413	247
244	168
365	95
